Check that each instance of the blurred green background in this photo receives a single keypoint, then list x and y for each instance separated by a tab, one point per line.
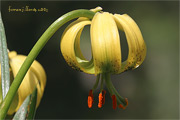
152	89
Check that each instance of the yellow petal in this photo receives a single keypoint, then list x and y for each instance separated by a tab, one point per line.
105	44
136	45
70	46
35	77
39	76
142	45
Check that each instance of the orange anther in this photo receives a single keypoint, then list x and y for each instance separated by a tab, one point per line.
124	107
121	106
103	94
90	99
114	101
100	100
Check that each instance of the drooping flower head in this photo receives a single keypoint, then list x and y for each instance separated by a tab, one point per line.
35	78
106	51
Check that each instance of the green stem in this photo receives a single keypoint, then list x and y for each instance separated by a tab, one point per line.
97	81
102	83
35	51
106	77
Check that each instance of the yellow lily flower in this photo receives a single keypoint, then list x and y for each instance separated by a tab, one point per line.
106	51
35	77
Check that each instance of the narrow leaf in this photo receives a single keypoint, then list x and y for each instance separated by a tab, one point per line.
5	76
0	78
32	106
28	108
22	111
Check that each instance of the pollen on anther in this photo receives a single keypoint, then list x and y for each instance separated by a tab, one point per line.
114	101
90	101
100	100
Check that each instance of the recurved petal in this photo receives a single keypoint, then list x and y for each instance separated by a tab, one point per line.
27	85
105	44
39	72
142	45
136	44
70	47
32	79
39	76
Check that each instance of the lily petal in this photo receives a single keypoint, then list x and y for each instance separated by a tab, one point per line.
105	44
136	45
70	47
35	77
39	76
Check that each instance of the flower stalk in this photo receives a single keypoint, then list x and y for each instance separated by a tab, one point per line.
35	51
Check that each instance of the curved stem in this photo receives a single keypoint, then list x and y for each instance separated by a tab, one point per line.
35	51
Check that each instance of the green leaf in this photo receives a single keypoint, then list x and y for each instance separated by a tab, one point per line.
22	111
28	108
5	76
0	78
32	105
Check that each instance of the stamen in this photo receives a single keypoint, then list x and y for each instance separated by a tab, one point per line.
97	82
100	100
124	107
91	93
114	102
103	95
90	99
